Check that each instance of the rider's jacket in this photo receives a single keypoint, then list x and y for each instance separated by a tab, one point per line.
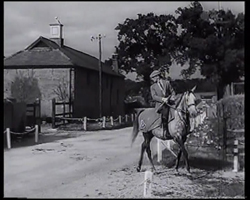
159	89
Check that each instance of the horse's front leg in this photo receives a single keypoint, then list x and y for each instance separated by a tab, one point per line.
180	142
178	160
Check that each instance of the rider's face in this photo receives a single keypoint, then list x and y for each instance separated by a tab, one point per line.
154	79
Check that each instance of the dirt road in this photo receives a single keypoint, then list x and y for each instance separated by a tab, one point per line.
70	168
101	164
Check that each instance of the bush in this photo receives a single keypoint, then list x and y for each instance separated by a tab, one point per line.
25	88
232	109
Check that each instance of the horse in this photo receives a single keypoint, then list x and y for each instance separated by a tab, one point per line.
183	109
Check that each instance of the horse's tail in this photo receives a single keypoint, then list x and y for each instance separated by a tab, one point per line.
135	127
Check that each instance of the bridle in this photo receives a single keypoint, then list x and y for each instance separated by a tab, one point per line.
179	109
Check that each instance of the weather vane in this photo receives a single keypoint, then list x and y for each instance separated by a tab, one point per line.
57	20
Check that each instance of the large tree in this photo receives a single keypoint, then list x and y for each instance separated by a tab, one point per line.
212	41
145	44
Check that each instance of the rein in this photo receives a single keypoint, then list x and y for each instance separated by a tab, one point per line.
181	110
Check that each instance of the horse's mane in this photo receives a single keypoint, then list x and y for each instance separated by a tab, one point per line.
178	98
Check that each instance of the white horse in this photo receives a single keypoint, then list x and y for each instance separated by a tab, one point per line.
183	110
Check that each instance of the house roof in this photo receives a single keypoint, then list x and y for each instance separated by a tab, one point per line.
44	53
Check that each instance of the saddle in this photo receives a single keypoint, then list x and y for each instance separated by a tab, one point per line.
150	119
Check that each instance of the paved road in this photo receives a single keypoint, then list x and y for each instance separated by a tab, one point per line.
71	168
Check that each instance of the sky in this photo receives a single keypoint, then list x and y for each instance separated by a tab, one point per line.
24	22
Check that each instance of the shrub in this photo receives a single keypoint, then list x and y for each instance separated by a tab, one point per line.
25	88
232	109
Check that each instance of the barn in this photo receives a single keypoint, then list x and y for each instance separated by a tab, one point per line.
56	65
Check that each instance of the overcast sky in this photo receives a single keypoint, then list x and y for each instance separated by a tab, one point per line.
24	22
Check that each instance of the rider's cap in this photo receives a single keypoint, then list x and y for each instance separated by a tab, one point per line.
154	74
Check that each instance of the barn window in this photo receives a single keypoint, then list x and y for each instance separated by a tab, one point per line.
117	96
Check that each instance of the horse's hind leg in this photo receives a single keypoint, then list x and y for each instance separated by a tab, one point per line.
143	147
148	136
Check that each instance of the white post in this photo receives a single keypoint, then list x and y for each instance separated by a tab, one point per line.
112	121
120	119
36	134
85	123
236	159
126	118
8	138
103	121
159	150
132	117
148	184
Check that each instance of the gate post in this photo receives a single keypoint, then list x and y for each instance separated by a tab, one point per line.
38	121
53	112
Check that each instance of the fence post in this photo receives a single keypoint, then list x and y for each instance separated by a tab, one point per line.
120	119
103	121
85	123
53	112
8	138
63	112
112	121
36	133
148	184
159	150
126	118
38	119
236	154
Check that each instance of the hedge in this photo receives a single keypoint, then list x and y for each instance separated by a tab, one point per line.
232	109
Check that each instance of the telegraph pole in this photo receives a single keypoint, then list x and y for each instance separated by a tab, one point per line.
219	6
100	70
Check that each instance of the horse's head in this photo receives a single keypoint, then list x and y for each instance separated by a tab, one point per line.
190	102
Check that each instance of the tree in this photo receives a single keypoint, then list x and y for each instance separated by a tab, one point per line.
213	42
146	44
62	90
25	88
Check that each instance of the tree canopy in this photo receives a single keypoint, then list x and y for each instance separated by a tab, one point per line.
145	42
212	41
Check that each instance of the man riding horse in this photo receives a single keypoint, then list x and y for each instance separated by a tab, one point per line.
163	94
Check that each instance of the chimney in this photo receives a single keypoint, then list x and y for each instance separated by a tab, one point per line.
115	63
56	33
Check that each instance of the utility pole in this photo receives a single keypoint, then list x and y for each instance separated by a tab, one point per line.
99	37
219	5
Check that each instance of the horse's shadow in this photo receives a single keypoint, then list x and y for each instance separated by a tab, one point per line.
208	164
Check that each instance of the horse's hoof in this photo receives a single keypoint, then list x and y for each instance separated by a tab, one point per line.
138	169
188	172
153	169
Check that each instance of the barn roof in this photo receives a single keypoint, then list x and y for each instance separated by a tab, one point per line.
45	53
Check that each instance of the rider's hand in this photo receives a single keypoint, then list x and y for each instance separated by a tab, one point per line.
164	99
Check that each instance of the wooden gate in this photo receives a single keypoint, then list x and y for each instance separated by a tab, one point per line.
65	111
33	114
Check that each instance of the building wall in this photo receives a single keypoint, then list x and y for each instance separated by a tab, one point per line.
86	101
86	91
48	80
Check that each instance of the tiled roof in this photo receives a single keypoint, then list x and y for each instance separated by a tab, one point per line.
37	58
54	55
